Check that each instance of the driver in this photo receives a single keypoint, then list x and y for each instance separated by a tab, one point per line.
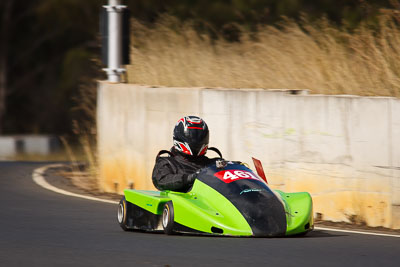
177	171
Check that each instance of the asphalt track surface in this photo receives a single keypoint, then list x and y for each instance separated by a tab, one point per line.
42	228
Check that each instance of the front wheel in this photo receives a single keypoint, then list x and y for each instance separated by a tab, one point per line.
168	218
123	213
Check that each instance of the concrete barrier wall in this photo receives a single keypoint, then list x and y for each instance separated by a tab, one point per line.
344	150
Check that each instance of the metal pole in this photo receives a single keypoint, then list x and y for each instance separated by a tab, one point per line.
114	70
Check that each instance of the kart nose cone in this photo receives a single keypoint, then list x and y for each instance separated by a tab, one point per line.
266	217
259	206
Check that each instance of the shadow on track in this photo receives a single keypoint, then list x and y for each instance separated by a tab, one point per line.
312	234
320	233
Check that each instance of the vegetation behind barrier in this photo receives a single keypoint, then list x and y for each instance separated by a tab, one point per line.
321	56
50	50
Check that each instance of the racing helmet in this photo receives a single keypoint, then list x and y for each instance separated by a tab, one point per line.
191	136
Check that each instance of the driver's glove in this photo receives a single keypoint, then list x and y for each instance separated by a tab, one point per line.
191	177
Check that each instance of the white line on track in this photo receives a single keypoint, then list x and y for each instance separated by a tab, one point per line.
354	232
38	178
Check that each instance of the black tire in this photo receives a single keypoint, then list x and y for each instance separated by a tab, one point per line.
123	213
168	218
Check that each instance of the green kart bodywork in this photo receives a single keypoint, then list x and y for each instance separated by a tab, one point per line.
206	210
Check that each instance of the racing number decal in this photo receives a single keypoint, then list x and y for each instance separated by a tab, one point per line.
229	176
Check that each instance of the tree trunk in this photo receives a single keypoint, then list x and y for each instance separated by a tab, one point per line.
6	19
3	90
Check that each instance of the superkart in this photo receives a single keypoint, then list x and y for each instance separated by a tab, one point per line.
227	198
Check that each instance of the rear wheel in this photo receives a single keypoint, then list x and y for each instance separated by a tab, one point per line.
123	213
168	218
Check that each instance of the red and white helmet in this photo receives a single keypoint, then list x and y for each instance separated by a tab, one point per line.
191	136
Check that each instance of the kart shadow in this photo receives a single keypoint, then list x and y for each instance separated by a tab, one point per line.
318	234
312	234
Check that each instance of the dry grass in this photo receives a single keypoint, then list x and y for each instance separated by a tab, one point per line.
318	57
84	165
83	158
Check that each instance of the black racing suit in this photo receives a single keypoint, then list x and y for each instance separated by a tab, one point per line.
174	172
